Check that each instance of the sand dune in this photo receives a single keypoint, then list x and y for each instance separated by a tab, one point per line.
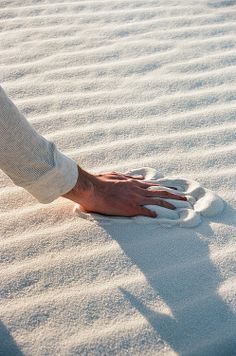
120	85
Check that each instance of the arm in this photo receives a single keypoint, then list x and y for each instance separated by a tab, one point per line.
29	159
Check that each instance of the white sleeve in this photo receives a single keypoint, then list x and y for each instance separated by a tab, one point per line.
31	161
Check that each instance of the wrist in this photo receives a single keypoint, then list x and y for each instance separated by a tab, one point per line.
83	187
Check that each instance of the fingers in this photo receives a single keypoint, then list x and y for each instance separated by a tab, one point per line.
134	177
145	185
163	194
140	176
125	176
146	212
119	176
159	202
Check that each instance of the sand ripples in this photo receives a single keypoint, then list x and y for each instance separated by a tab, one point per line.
119	85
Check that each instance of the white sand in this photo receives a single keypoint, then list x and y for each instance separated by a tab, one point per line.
119	85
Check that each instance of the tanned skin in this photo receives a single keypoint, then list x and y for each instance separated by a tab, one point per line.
114	193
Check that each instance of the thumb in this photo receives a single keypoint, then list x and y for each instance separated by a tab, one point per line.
146	212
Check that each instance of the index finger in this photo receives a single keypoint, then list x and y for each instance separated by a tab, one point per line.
164	194
145	185
134	177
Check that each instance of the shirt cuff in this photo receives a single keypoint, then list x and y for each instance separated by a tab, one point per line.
56	182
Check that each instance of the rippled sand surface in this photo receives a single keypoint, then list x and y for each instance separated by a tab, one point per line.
119	85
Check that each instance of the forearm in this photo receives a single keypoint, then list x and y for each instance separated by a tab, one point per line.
30	160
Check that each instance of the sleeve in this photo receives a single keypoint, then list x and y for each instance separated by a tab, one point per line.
31	161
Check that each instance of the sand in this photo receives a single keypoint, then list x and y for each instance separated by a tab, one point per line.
119	85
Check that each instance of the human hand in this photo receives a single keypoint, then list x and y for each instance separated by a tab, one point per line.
113	193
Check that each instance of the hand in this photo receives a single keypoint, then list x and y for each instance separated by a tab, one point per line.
115	193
